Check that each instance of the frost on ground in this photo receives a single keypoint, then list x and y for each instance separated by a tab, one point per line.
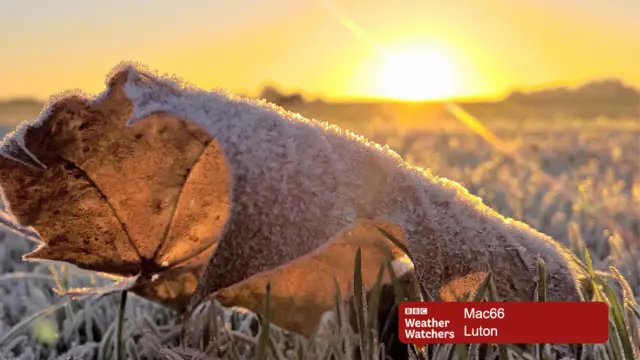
598	166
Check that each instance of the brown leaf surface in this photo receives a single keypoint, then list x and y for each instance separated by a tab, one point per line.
149	200
303	290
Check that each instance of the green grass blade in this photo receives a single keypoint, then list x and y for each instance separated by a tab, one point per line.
445	352
493	291
596	289
517	350
119	346
493	297
629	304
88	323
620	326
463	351
337	299
395	241
482	288
106	345
424	293
265	326
421	353
473	352
502	350
614	345
588	352
336	349
359	300
541	296
374	302
397	286
576	243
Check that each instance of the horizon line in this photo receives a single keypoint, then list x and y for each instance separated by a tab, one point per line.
309	97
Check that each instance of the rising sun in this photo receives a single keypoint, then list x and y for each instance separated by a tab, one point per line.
416	75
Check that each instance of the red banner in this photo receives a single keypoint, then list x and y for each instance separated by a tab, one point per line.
424	323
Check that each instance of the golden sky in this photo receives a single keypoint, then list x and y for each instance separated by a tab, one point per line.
338	50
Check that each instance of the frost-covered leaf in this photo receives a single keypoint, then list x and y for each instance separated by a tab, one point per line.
150	199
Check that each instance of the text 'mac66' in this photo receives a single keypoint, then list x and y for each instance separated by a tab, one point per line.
424	323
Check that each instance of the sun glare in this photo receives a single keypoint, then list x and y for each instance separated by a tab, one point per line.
416	75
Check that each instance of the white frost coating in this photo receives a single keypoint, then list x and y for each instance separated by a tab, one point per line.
14	142
449	231
16	138
13	147
328	321
9	223
402	266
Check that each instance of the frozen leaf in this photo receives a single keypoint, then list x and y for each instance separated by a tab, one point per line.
292	187
150	199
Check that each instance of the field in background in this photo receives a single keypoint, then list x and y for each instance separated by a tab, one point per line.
594	164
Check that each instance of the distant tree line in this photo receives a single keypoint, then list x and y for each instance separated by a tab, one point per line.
271	94
612	92
608	98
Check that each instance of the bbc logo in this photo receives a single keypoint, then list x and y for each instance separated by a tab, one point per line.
415	311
